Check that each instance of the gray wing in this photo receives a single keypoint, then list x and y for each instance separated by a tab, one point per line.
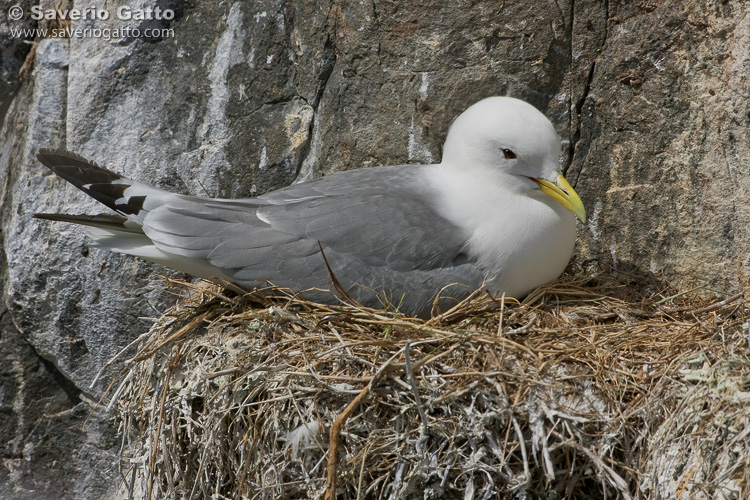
379	229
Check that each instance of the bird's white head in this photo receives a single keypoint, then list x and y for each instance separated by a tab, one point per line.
511	137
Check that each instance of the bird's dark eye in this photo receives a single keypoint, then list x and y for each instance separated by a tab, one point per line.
509	155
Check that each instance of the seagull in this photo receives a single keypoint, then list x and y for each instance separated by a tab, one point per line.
495	213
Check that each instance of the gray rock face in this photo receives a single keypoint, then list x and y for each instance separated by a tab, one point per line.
242	98
665	146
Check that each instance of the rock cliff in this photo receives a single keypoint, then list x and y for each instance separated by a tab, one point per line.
234	99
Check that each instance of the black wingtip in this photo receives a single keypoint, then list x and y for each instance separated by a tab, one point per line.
52	158
97	182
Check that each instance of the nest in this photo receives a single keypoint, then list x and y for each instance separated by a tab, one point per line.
589	388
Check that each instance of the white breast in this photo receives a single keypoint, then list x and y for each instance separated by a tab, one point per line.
522	237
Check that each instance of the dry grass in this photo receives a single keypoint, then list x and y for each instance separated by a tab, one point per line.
590	388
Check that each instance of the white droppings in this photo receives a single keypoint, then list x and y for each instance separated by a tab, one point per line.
658	63
269	59
227	50
425	85
28	451
214	131
613	251
263	158
412	140
260	15
593	221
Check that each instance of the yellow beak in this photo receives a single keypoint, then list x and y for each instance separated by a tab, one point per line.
564	193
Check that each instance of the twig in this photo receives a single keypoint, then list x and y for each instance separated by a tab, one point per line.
413	382
502	312
362	471
333	442
338	425
719	304
700	310
165	389
524	456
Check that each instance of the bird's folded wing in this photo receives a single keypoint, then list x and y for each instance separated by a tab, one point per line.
375	227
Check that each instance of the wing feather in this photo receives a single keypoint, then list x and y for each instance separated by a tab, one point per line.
380	229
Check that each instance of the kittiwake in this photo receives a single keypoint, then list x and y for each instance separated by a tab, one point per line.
496	212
